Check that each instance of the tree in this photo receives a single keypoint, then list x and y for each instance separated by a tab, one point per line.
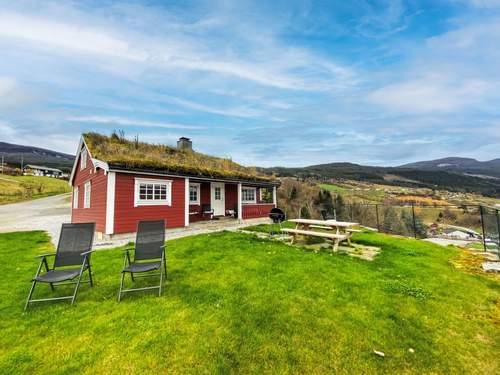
304	213
416	228
340	207
392	222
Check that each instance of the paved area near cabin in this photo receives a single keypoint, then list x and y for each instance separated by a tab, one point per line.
40	214
49	213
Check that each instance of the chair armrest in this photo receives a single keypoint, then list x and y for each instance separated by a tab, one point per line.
45	255
163	246
88	252
127	249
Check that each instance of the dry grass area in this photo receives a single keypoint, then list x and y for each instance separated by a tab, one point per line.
15	189
121	152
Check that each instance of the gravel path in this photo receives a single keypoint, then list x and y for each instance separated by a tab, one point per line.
40	214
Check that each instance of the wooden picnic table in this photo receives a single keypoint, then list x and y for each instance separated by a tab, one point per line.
337	231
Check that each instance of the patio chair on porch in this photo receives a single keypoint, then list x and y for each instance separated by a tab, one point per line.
207	209
149	255
72	259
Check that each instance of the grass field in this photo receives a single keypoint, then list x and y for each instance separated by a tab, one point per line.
234	303
21	188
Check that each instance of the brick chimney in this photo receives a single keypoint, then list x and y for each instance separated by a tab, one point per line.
184	144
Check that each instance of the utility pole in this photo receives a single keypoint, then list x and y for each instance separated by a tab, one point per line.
2	164
22	163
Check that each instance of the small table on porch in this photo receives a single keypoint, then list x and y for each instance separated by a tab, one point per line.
337	231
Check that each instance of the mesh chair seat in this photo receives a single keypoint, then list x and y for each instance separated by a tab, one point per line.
136	267
55	276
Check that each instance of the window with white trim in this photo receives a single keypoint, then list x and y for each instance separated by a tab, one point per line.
83	159
194	193
75	197
86	194
266	195
149	192
248	195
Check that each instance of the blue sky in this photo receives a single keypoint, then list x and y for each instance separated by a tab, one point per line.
266	83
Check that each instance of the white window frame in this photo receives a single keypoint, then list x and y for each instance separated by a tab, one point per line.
84	155
152	202
75	197
260	195
254	200
87	191
198	192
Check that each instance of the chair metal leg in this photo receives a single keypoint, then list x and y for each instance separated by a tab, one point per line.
90	275
132	276
165	264
79	280
30	294
161	278
121	287
47	270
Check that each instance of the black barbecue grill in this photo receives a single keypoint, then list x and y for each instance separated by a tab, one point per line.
277	216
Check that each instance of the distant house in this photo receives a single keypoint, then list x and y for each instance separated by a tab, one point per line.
117	182
38	170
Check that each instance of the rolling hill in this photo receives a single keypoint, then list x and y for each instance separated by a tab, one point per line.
427	174
35	155
470	166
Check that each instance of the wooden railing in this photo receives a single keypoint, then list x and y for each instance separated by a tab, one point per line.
252	211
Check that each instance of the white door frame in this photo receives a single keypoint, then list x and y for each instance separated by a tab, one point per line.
218	211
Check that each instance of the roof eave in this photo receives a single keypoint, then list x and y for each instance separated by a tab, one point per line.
116	168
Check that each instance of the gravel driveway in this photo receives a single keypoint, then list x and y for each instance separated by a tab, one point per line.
41	214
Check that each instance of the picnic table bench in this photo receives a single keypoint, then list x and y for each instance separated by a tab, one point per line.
337	231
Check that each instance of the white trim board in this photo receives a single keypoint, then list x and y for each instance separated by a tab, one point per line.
110	203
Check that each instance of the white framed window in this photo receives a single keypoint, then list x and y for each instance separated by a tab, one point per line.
75	197
194	193
86	194
248	195
83	159
266	195
150	192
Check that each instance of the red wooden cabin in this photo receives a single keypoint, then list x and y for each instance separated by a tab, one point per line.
117	195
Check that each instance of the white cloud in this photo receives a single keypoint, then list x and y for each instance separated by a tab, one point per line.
78	38
240	111
430	95
114	120
268	63
12	95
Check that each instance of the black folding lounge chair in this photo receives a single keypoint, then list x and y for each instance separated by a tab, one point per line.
72	259
149	255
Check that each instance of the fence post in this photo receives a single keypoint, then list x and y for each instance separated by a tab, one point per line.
414	220
482	226
378	220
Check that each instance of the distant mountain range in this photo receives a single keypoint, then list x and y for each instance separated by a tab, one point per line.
463	165
13	154
455	174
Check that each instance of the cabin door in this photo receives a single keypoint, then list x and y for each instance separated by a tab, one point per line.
218	199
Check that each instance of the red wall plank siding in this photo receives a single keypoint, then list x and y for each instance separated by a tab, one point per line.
204	199
252	211
127	216
231	196
98	191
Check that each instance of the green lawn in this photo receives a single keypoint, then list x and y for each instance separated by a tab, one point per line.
21	188
238	304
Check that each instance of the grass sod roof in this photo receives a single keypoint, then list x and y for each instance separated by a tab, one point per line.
122	153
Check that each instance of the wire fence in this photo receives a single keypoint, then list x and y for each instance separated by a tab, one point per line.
478	225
